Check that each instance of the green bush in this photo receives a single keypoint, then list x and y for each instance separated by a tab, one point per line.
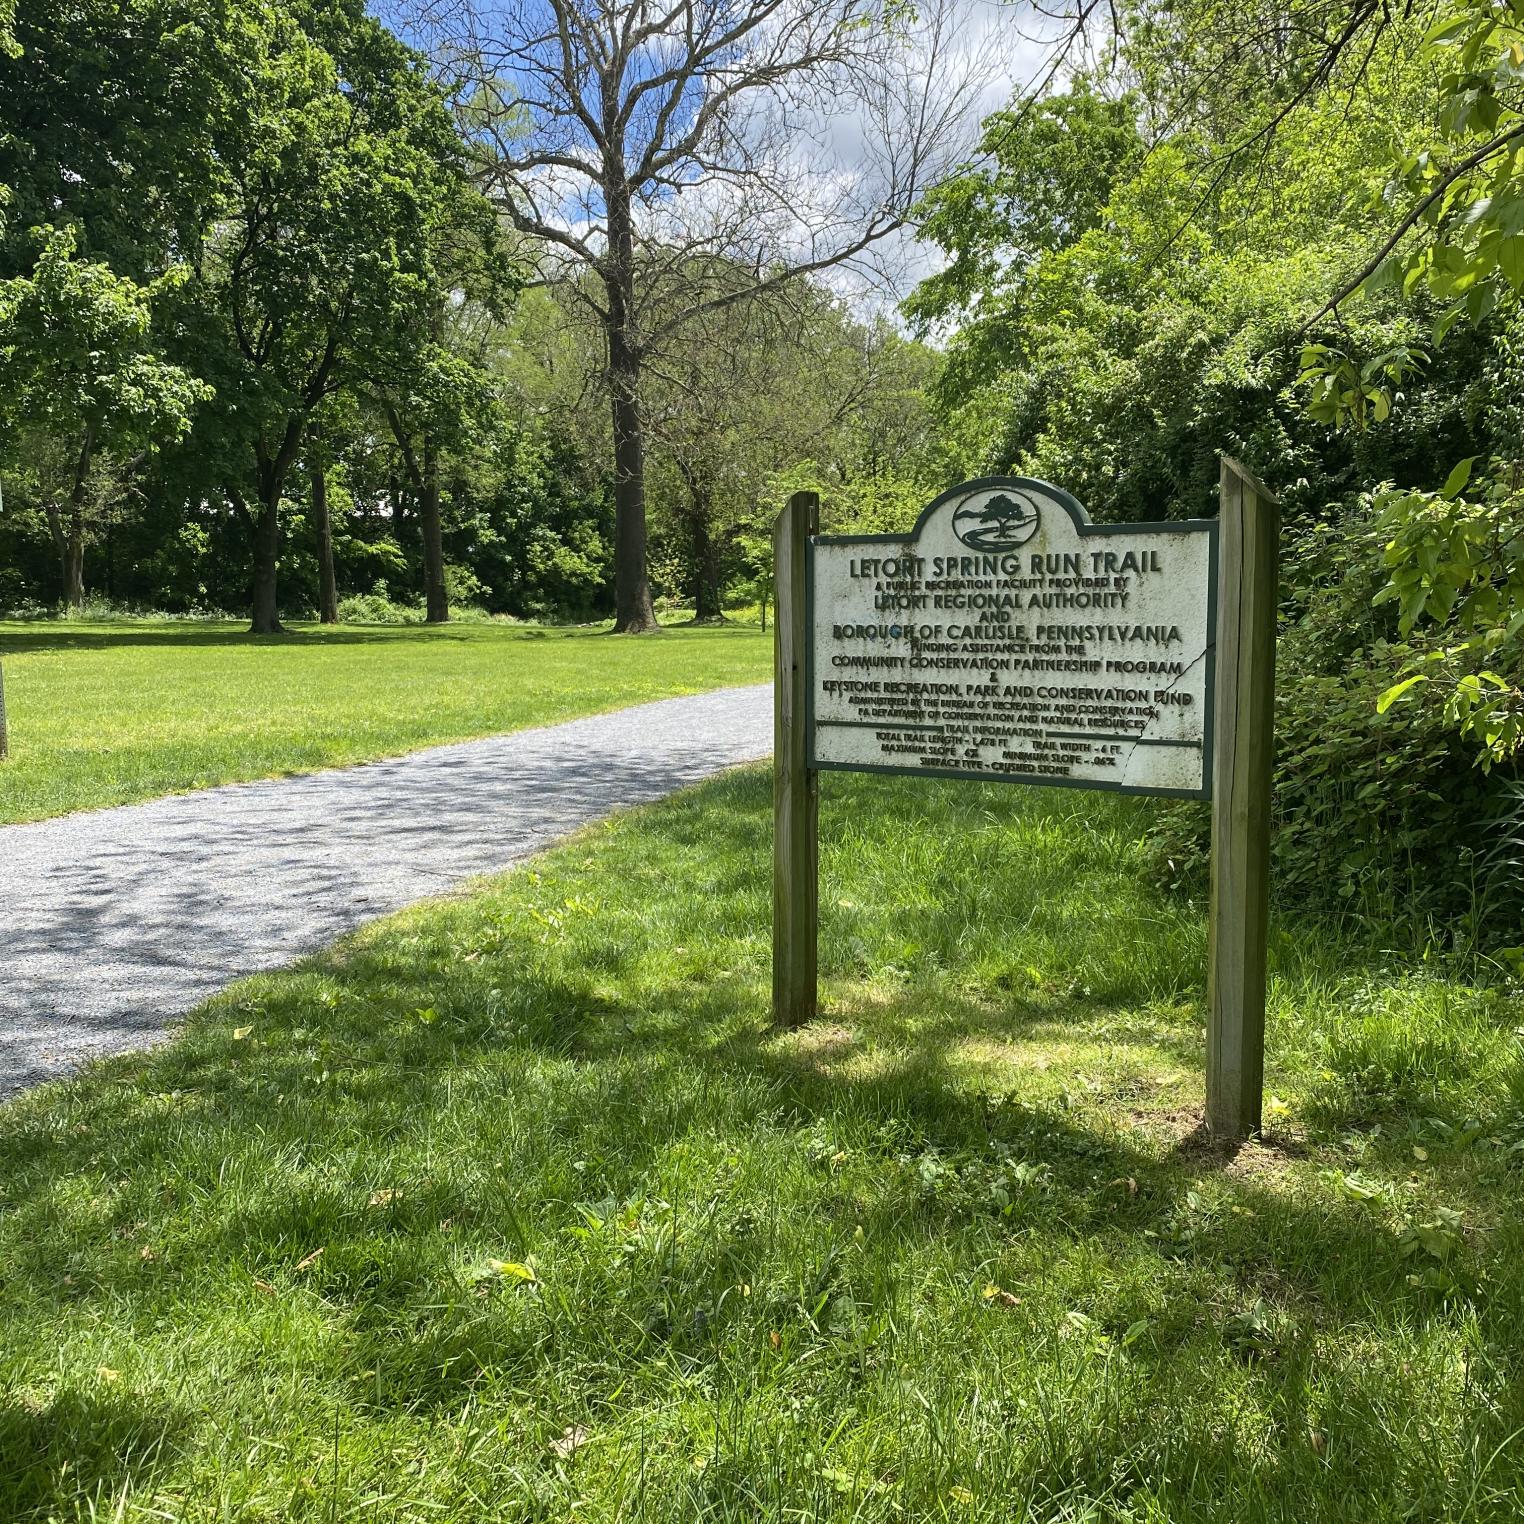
1381	818
375	607
98	609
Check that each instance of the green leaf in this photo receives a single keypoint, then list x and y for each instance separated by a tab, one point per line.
1396	691
511	1270
1511	260
1448	320
1456	481
1450	30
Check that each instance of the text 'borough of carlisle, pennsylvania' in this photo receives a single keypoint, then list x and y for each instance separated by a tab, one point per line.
1009	638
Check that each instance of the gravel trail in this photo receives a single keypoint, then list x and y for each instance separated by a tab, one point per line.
114	922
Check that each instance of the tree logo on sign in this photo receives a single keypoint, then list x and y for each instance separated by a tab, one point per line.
1003	521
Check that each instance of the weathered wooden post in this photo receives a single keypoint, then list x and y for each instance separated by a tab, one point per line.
796	796
1242	761
5	734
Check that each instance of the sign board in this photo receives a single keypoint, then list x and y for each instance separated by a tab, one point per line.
1007	638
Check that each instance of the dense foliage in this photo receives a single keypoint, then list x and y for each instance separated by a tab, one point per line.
1138	279
263	346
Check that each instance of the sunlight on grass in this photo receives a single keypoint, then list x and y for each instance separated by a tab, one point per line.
104	714
512	1207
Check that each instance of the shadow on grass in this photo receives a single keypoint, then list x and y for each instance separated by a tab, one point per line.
539	1076
391	1068
102	1446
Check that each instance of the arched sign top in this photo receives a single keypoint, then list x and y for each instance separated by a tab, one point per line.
1025	496
1007	637
1032	489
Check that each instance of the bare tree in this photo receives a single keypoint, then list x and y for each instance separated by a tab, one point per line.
688	155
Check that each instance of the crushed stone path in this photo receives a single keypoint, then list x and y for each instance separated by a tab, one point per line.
114	922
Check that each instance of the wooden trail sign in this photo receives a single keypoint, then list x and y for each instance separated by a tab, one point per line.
1006	638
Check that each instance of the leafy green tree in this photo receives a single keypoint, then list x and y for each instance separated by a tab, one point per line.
441	407
535	523
789	387
112	113
86	396
1459	562
317	271
730	401
297	162
1051	170
1459	197
107	104
1160	316
1455	560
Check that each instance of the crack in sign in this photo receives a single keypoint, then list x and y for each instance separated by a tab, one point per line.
1170	687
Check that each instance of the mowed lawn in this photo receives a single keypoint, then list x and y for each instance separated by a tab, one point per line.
513	1208
104	714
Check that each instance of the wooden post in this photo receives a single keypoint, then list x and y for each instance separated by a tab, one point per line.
796	797
1242	760
5	734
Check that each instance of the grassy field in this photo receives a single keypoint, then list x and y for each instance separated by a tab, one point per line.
512	1208
106	714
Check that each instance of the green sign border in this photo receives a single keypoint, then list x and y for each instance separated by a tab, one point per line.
1084	527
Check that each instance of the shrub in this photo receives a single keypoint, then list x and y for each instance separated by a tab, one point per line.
1380	818
98	609
375	607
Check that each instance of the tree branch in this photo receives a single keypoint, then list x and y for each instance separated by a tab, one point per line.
1410	220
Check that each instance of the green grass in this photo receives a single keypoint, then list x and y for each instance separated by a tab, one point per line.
104	714
512	1208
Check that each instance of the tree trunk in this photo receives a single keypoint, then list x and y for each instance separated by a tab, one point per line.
328	589
264	619
436	600
423	473
74	562
633	613
60	545
70	543
707	596
272	472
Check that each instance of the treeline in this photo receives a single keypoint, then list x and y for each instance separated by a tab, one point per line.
267	345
